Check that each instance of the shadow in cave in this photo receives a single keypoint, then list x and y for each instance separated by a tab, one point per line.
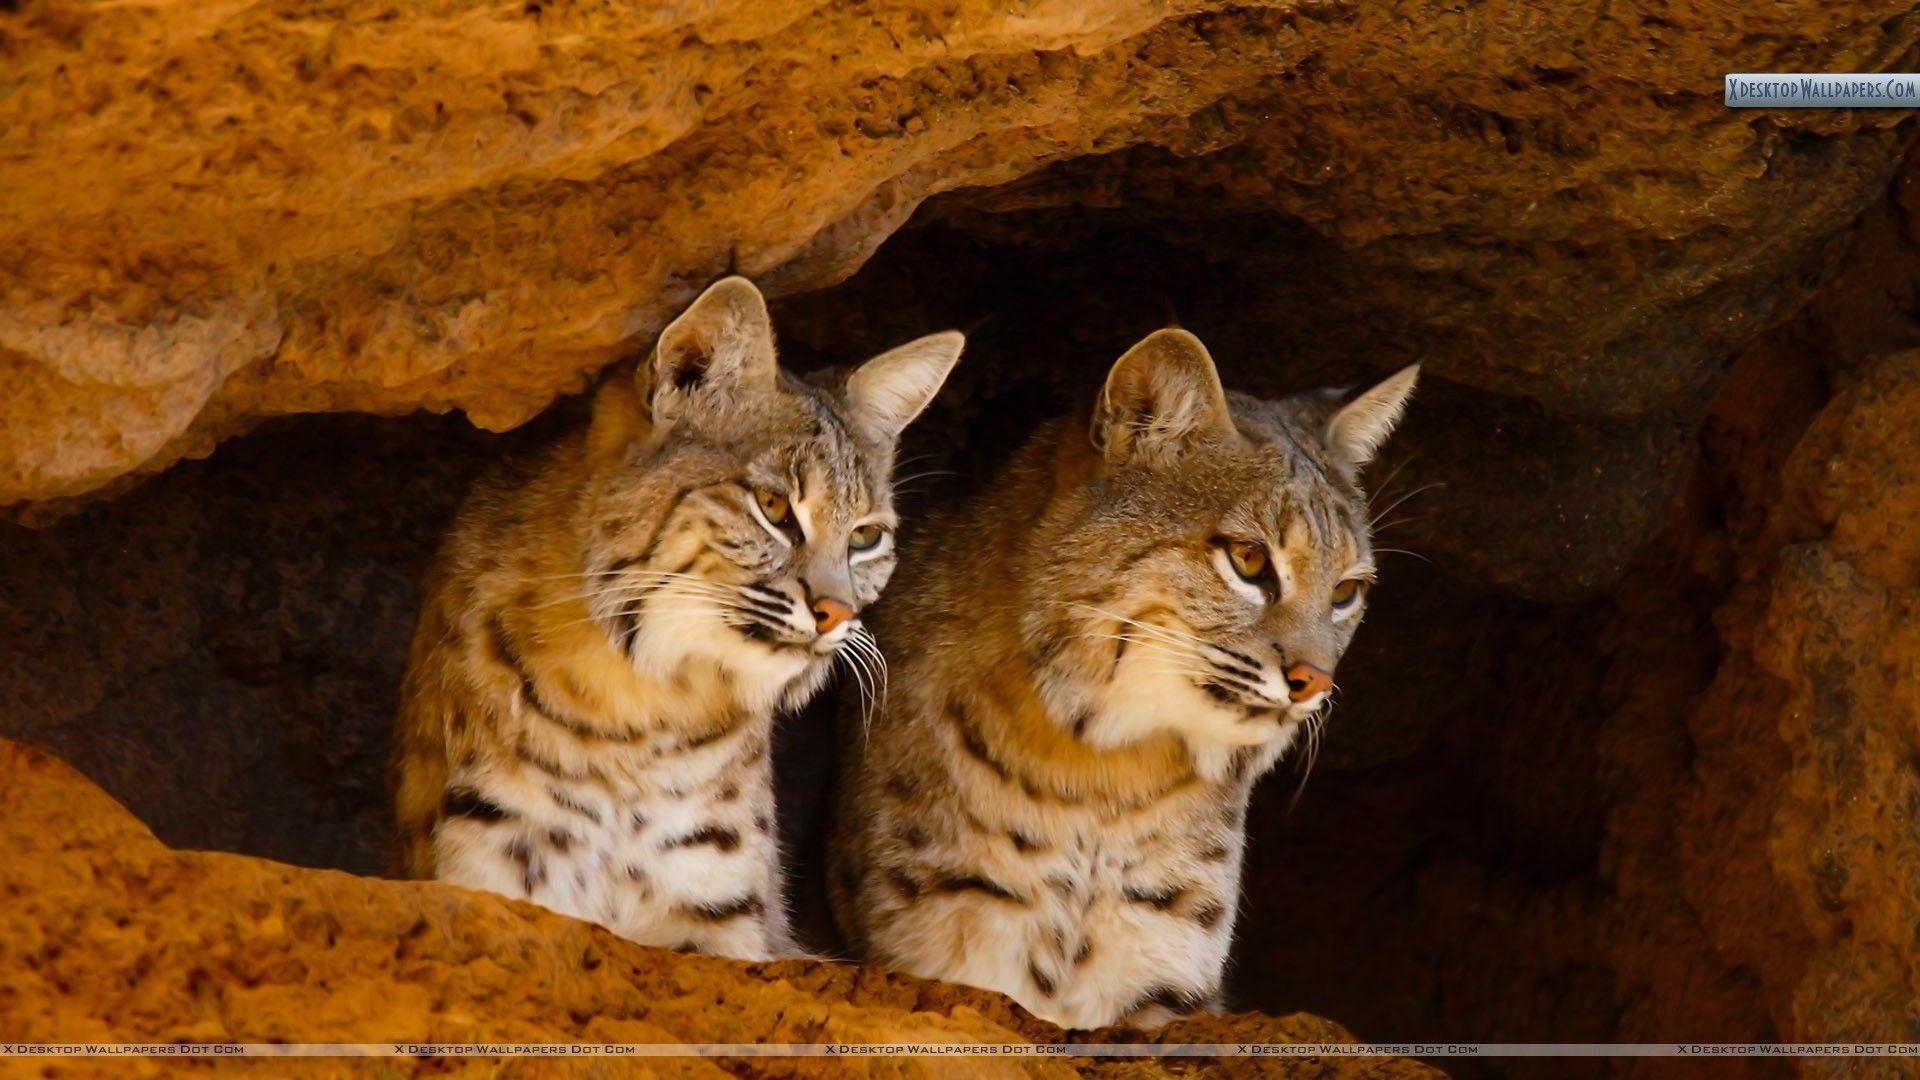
222	648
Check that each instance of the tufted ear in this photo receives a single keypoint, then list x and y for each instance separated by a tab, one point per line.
888	391
1356	430
1162	398
717	352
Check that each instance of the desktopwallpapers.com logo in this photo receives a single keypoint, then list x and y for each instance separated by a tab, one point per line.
160	1049
1894	90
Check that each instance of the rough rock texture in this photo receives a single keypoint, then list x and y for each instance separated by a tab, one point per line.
1627	746
107	935
1681	811
213	213
1802	841
1521	828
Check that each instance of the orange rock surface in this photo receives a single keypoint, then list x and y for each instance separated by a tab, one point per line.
1635	755
1802	840
212	213
106	935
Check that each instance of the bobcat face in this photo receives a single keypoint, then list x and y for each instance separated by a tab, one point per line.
743	518
1210	566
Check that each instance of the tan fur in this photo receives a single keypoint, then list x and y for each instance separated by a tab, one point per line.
587	712
1053	803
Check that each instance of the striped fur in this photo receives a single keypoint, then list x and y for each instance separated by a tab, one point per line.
1053	804
586	717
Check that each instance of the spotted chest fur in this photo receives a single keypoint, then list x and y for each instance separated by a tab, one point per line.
1093	894
1095	660
663	832
606	638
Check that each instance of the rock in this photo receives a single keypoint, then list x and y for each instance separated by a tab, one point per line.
107	935
472	208
1632	757
1679	811
216	215
1802	842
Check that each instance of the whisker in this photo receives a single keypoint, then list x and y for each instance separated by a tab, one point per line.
1181	665
1315	728
651	617
616	572
571	623
1391	477
648	580
1162	647
1396	522
1213	673
924	475
1422	489
1217	676
863	641
633	591
1165	633
1229	682
880	675
1403	551
854	666
862	653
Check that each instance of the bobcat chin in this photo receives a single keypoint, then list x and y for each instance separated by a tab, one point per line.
1093	662
604	640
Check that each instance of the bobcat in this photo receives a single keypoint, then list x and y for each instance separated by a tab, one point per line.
603	644
1094	661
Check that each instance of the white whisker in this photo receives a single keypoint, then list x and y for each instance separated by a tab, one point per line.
1397	522
1315	727
1391	507
1165	634
649	580
862	649
1391	477
629	592
856	667
1403	551
719	606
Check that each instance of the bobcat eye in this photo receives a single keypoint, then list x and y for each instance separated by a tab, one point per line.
1248	558
1345	593
865	538
775	506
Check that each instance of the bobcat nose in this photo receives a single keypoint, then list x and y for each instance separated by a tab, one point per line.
1304	681
828	615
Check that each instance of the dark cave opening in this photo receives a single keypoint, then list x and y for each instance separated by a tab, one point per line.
226	641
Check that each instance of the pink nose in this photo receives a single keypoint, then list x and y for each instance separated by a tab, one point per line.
1305	680
828	615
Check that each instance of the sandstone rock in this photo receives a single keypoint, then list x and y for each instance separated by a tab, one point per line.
1802	845
439	206
216	214
106	935
1605	820
1633	757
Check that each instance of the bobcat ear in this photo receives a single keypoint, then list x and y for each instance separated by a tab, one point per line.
1356	430
888	391
1161	398
719	350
